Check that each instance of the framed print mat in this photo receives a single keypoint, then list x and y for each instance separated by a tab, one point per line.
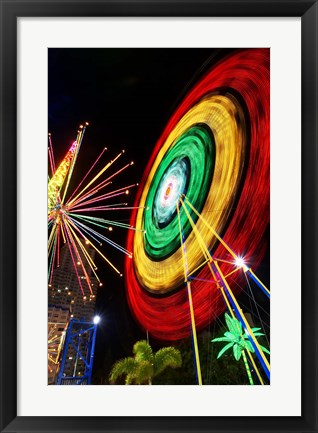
107	60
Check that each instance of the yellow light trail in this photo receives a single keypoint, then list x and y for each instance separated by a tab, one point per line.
73	249
109	164
57	180
90	261
79	142
194	332
83	249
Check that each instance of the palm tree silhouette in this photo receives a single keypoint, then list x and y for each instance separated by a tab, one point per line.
238	339
145	365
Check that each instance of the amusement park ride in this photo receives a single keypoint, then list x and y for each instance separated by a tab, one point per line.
70	218
78	352
202	208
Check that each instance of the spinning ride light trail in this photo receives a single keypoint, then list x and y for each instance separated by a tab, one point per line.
215	151
55	343
70	217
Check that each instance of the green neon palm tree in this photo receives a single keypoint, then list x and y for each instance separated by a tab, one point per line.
145	365
238	339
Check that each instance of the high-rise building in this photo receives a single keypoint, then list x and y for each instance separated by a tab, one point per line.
66	297
65	290
58	319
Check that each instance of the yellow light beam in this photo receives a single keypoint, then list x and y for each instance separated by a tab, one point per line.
87	278
198	267
232	272
96	177
79	139
255	367
212	230
51	238
194	333
258	281
199	239
90	261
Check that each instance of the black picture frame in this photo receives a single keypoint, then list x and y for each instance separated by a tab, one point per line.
10	11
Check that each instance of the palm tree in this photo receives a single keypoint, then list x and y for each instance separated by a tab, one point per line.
239	341
145	365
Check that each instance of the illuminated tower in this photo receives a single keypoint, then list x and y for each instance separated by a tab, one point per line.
65	291
66	298
58	319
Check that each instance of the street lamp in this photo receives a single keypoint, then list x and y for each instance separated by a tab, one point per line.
96	320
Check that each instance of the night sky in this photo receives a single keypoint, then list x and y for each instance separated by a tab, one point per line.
127	96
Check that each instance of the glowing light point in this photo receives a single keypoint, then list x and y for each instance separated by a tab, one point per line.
239	262
96	320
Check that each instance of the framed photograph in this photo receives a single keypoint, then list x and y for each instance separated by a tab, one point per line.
179	173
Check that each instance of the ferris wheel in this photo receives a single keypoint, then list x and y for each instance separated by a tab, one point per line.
202	208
